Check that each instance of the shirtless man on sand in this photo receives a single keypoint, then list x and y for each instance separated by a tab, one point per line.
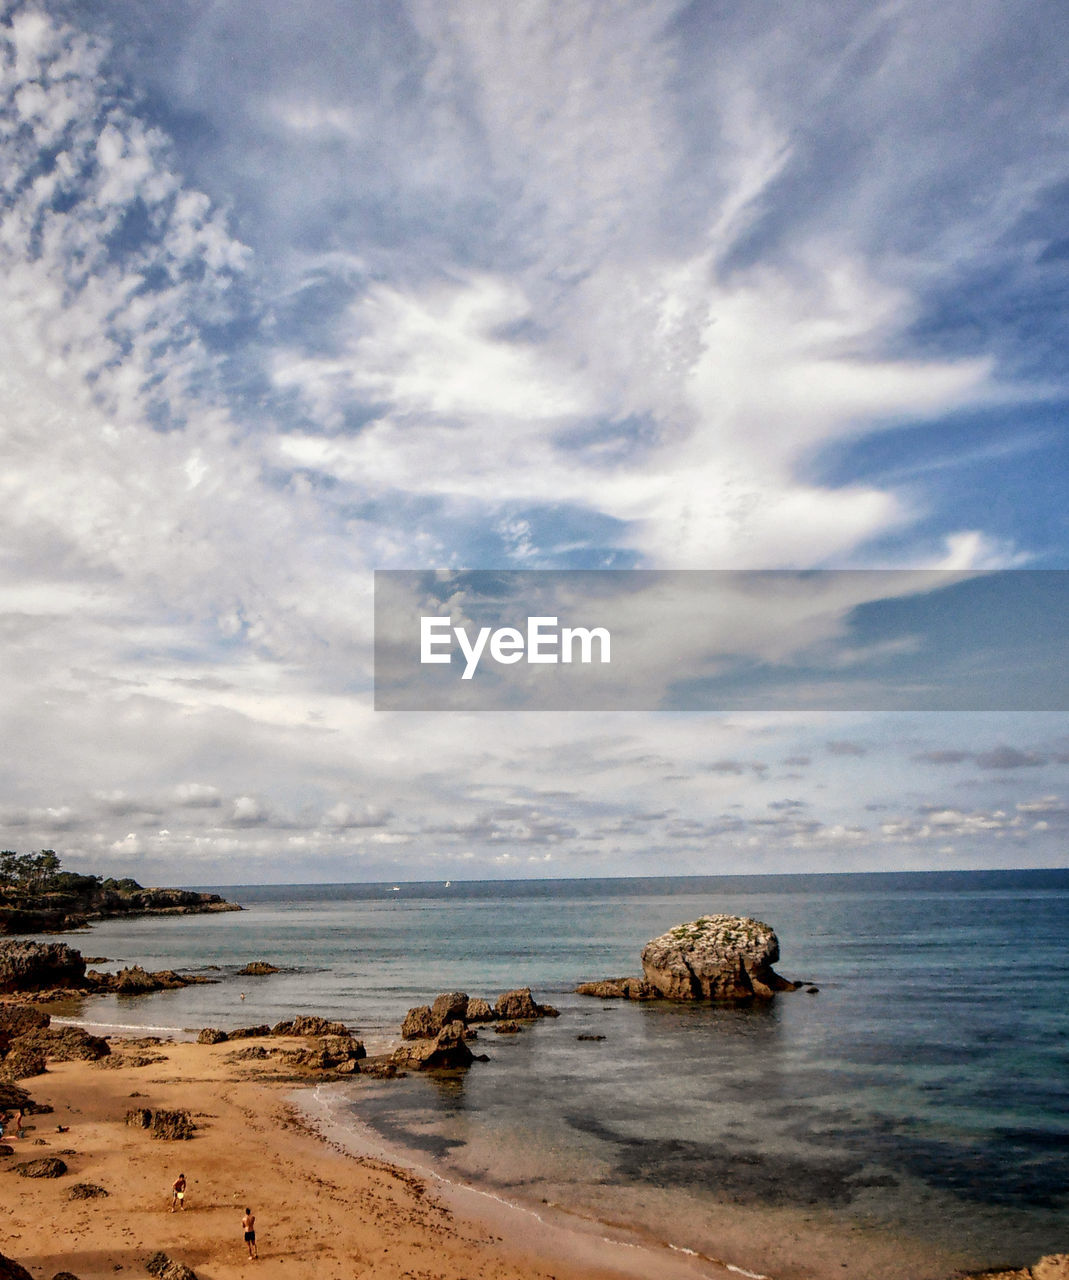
248	1225
178	1192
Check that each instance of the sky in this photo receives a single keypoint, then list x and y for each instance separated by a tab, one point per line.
291	294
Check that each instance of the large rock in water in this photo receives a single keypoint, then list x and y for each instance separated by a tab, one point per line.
37	966
715	958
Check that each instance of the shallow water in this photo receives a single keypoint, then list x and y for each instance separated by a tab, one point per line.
918	1105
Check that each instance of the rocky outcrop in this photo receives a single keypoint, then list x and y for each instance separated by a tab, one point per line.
86	1191
520	1004
14	1098
165	1268
1055	1266
447	1049
419	1024
451	1006
22	1062
64	1044
17	1019
38	966
135	981
44	1167
308	1024
433	1027
167	1126
257	969
172	1126
717	957
618	989
331	1053
73	901
10	1270
212	1035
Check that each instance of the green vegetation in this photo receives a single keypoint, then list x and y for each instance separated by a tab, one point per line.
38	896
25	875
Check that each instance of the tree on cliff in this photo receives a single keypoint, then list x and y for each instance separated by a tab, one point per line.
40	873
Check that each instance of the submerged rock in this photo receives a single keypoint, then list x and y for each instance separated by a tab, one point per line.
618	989
257	968
717	957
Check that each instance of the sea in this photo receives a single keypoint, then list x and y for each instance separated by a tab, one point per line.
907	1118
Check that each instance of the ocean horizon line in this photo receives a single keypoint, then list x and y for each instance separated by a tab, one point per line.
508	886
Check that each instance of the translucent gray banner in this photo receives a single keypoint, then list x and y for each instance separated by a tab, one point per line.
698	640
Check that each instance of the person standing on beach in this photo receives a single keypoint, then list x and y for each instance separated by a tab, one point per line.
248	1225
18	1125
178	1192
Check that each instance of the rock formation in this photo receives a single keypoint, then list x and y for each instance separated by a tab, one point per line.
32	901
447	1049
44	1167
520	1004
135	981
308	1024
36	966
425	1021
17	1019
715	958
419	1024
165	1268
256	969
718	957
10	1270
619	989
172	1126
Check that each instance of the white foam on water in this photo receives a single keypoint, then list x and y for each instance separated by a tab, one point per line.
125	1028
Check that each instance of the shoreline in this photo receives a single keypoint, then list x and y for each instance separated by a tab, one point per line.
318	1204
578	1236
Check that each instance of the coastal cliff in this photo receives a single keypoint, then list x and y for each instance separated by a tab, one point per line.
37	896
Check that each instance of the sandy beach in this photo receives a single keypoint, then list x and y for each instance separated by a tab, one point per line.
320	1211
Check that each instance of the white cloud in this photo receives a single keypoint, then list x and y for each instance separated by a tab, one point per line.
568	259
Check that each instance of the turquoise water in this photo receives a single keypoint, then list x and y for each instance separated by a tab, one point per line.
922	1095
